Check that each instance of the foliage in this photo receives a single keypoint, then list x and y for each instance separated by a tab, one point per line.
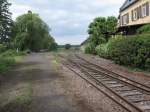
5	21
131	51
52	46
90	48
7	59
5	62
67	46
144	29
102	27
97	27
2	48
30	32
102	50
111	24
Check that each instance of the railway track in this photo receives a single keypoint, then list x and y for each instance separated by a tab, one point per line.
135	94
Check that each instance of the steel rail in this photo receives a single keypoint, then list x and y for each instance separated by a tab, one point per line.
86	73
147	88
95	86
123	81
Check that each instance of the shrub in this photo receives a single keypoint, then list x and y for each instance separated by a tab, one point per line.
67	46
102	50
133	51
5	62
90	49
8	58
144	29
2	48
147	64
52	47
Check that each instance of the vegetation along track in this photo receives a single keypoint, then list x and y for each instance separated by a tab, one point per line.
135	94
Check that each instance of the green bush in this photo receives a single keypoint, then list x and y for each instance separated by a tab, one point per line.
52	47
102	50
2	48
144	29
5	62
132	50
90	48
67	46
7	59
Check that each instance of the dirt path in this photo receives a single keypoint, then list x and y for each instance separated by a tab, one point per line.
34	86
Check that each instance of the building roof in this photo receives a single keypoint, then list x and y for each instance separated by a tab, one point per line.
127	3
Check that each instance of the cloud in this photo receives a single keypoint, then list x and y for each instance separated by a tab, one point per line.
67	18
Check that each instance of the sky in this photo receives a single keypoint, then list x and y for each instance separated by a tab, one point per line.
68	19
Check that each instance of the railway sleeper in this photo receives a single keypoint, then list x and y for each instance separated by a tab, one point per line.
115	85
131	94
124	89
127	91
111	82
145	108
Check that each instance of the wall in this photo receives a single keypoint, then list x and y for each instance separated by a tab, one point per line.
132	7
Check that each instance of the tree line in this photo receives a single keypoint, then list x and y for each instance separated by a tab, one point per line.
27	32
100	30
129	50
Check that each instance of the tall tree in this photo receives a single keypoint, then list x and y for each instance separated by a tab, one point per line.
111	24
5	21
31	32
101	28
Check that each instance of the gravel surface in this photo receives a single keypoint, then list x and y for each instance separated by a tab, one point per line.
54	88
48	88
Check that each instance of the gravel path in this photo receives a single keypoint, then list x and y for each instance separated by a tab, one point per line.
40	87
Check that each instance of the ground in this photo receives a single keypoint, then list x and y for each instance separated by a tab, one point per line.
34	85
40	83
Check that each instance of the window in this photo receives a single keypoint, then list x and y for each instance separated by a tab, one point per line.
144	10
125	19
135	14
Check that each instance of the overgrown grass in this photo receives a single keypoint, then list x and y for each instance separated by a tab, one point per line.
22	101
26	97
9	58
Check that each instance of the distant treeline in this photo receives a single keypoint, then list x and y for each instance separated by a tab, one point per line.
73	46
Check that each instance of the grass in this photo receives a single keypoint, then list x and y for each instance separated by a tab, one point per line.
8	59
26	97
21	102
18	58
55	61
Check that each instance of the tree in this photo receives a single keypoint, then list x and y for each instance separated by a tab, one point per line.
101	28
97	27
67	46
30	32
5	21
111	24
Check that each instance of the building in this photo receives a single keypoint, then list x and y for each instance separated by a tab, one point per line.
133	14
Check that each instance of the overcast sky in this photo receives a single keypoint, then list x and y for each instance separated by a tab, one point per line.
68	19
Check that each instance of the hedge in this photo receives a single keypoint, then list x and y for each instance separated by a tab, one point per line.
131	51
90	48
2	48
144	29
